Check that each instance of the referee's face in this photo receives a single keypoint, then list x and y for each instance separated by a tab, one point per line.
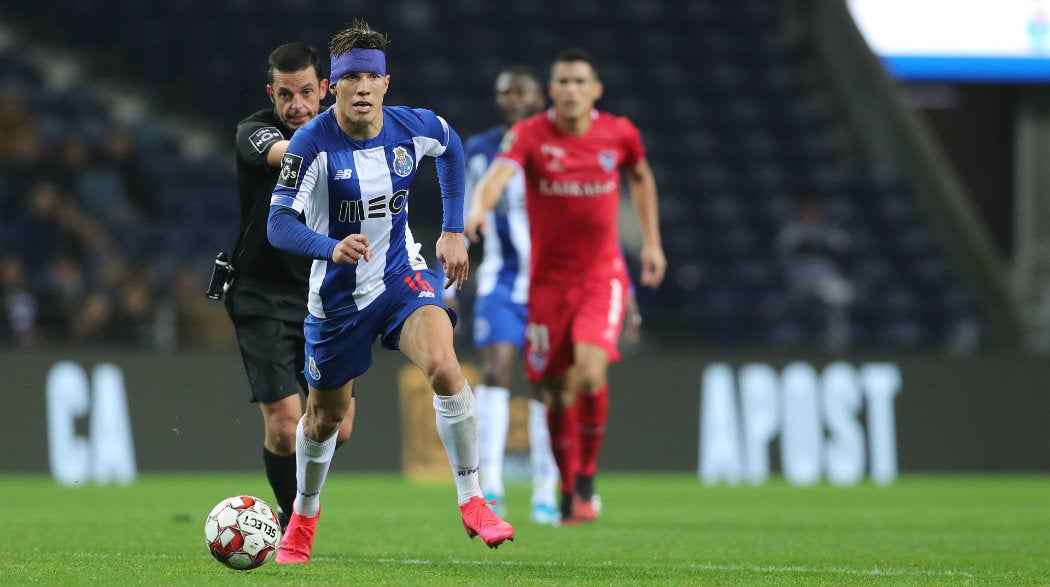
297	95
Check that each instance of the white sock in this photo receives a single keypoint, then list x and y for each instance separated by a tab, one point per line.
493	407
541	458
312	460
457	425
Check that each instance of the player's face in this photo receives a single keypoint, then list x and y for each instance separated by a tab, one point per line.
359	101
518	96
574	89
297	95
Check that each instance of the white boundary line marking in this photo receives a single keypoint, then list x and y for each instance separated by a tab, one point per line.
769	569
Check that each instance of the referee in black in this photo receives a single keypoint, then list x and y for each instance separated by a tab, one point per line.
267	298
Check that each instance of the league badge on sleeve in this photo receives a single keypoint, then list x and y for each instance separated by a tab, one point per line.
507	142
264	137
290	167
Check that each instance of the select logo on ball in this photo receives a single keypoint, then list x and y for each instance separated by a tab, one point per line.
242	532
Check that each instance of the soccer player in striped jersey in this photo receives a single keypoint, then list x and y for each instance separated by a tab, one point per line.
572	157
499	307
349	171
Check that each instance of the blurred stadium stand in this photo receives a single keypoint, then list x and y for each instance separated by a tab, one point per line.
736	116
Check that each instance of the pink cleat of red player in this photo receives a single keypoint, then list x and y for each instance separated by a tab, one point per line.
480	520
584	510
298	539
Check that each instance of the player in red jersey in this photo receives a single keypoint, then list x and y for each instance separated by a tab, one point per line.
572	157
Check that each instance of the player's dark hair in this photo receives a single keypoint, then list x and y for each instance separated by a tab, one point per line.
575	54
291	57
523	70
359	35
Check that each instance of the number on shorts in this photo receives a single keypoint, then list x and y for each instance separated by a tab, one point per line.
416	282
538	336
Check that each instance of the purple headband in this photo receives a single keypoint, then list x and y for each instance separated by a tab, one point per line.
358	61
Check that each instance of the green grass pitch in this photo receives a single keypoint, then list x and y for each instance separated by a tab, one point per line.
660	529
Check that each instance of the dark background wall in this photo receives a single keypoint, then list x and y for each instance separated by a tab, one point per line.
974	124
189	411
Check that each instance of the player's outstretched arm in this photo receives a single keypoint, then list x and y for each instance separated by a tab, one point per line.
485	196
286	233
643	192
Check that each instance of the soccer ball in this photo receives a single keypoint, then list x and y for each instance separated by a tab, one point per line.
242	532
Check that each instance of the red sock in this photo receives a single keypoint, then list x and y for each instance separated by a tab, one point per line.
593	411
565	444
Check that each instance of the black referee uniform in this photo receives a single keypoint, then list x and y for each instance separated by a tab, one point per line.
267	300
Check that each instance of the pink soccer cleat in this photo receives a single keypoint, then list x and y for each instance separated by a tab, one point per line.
298	539
480	520
585	510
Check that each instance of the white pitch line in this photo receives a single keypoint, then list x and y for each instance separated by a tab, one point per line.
769	569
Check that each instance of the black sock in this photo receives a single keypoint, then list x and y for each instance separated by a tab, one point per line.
280	472
585	487
566	506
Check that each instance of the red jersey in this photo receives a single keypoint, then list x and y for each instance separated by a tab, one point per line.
572	191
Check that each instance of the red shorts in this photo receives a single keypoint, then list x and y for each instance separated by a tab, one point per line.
561	316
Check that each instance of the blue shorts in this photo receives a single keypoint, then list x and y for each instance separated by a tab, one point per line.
499	319
339	348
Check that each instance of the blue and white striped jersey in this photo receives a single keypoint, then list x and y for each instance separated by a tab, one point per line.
505	259
345	186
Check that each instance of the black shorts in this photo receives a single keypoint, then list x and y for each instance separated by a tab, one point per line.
273	356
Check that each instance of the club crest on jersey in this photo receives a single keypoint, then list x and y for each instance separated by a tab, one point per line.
607	159
402	162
